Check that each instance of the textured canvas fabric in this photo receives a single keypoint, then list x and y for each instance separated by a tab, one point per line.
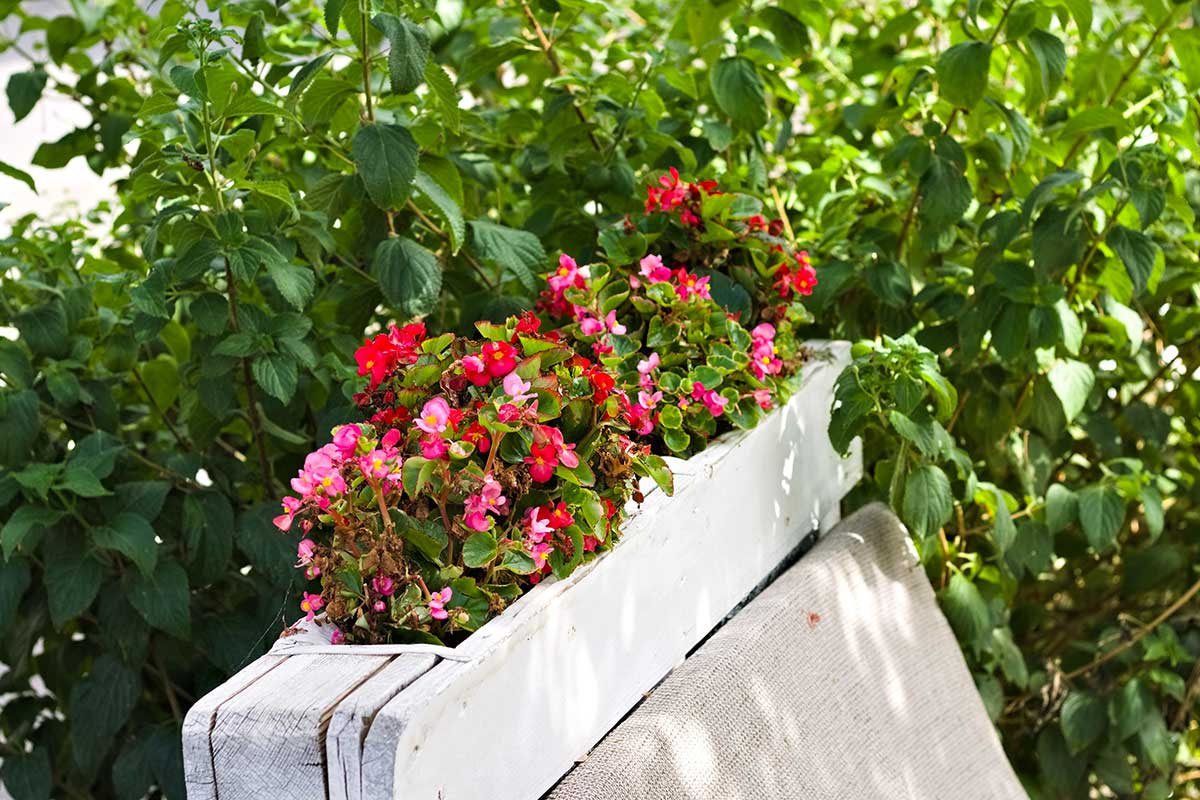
841	680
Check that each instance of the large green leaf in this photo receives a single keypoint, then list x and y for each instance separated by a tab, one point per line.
519	253
24	90
277	374
739	92
386	158
962	73
72	580
1072	382
966	609
408	51
928	501
945	193
1084	719
132	536
433	196
100	705
15	577
27	776
1137	252
409	275
1102	513
163	599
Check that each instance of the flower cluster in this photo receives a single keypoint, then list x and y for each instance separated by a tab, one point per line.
699	324
483	466
684	199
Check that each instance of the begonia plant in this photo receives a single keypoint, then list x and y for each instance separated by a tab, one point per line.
694	309
482	467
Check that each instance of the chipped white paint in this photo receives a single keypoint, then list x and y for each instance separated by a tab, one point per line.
535	688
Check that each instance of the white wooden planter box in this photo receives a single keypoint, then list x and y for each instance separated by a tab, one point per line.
510	710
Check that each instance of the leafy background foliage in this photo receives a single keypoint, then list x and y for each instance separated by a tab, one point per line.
1000	198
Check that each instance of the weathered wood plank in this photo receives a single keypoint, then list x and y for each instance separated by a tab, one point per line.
199	777
553	673
268	740
352	717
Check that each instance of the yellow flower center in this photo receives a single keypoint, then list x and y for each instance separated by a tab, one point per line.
430	419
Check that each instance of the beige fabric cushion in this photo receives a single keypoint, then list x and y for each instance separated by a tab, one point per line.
841	680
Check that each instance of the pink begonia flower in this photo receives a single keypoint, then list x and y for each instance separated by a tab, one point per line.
488	499
649	401
433	447
692	286
311	572
437	602
763	353
291	505
653	269
311	604
319	476
563	451
516	388
434	416
590	326
346	439
714	402
337	637
379	464
611	320
648	365
540	552
380	605
536	528
764	330
763	398
384	584
565	276
542	460
390	439
508	412
477	521
305	551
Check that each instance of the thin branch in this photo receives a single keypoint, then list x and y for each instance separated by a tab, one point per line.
160	412
1137	637
442	234
256	427
172	700
1125	76
556	67
366	60
134	454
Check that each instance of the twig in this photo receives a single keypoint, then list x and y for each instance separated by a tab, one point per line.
1125	76
1137	637
256	428
782	211
172	700
134	454
442	234
365	14
1150	384
548	49
1087	259
1190	694
160	412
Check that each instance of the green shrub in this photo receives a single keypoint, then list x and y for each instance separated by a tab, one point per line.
1006	191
